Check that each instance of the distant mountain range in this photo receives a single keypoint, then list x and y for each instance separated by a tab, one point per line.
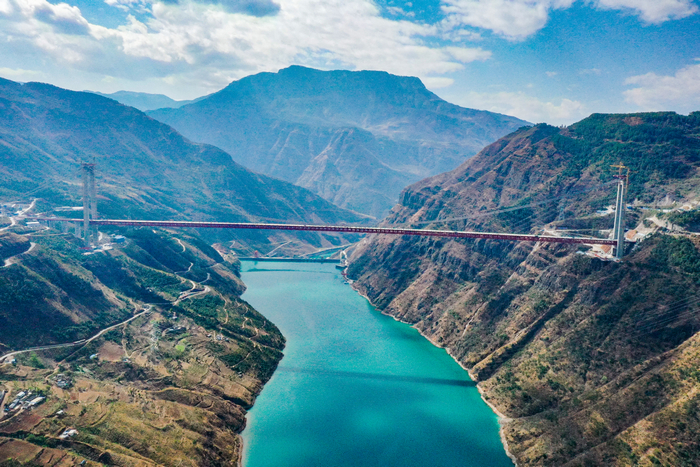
591	360
145	101
145	168
355	138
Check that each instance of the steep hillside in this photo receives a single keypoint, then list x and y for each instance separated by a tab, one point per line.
593	361
355	138
145	168
169	381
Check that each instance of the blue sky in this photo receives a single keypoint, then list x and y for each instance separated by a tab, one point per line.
553	61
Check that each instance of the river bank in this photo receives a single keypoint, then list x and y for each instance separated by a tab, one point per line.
357	387
502	419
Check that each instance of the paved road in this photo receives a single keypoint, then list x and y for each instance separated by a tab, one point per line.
5	358
11	260
13	223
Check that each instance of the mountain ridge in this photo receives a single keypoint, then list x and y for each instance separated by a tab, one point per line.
280	123
145	168
145	101
589	359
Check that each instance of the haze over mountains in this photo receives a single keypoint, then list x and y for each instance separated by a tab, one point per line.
145	168
145	101
355	138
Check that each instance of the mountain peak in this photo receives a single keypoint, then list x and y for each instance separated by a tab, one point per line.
343	85
293	123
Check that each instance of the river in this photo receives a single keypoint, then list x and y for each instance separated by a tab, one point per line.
356	388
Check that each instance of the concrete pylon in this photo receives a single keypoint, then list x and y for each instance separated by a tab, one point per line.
619	226
620	206
89	201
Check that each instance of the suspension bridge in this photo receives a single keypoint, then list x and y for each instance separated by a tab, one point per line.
90	222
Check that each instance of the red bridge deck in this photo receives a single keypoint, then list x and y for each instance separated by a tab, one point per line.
348	229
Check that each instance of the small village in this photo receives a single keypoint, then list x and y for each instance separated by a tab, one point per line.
23	400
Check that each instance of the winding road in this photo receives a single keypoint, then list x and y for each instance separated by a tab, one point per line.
11	260
5	358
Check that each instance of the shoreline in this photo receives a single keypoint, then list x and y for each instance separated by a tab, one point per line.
502	419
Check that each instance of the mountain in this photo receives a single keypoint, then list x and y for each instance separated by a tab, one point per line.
145	101
145	169
355	138
168	382
592	362
179	357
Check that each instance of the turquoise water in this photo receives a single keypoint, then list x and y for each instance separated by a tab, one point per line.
355	387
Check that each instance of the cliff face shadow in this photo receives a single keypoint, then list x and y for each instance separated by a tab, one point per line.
377	376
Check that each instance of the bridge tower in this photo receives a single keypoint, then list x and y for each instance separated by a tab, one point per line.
620	206
89	201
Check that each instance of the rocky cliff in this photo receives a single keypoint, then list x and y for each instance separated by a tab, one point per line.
355	138
593	361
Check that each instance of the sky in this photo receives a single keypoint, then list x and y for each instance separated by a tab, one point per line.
554	61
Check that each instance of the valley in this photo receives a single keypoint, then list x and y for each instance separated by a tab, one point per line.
588	359
169	382
144	169
139	350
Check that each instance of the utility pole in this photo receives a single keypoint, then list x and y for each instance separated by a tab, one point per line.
620	206
89	200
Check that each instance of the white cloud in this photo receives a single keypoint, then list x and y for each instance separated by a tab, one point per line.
551	74
19	74
397	11
5	7
519	19
63	18
334	33
513	19
437	82
652	11
466	55
203	42
59	31
527	107
590	71
140	6
680	92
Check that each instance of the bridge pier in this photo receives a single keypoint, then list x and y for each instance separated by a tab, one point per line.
620	206
89	202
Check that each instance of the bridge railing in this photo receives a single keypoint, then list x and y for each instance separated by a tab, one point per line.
346	229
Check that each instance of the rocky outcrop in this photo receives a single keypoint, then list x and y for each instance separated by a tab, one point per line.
592	360
355	138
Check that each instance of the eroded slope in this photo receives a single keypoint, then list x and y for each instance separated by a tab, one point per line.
592	360
357	138
169	381
145	169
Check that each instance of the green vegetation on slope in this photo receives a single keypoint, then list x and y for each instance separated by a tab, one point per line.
593	360
145	169
170	387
